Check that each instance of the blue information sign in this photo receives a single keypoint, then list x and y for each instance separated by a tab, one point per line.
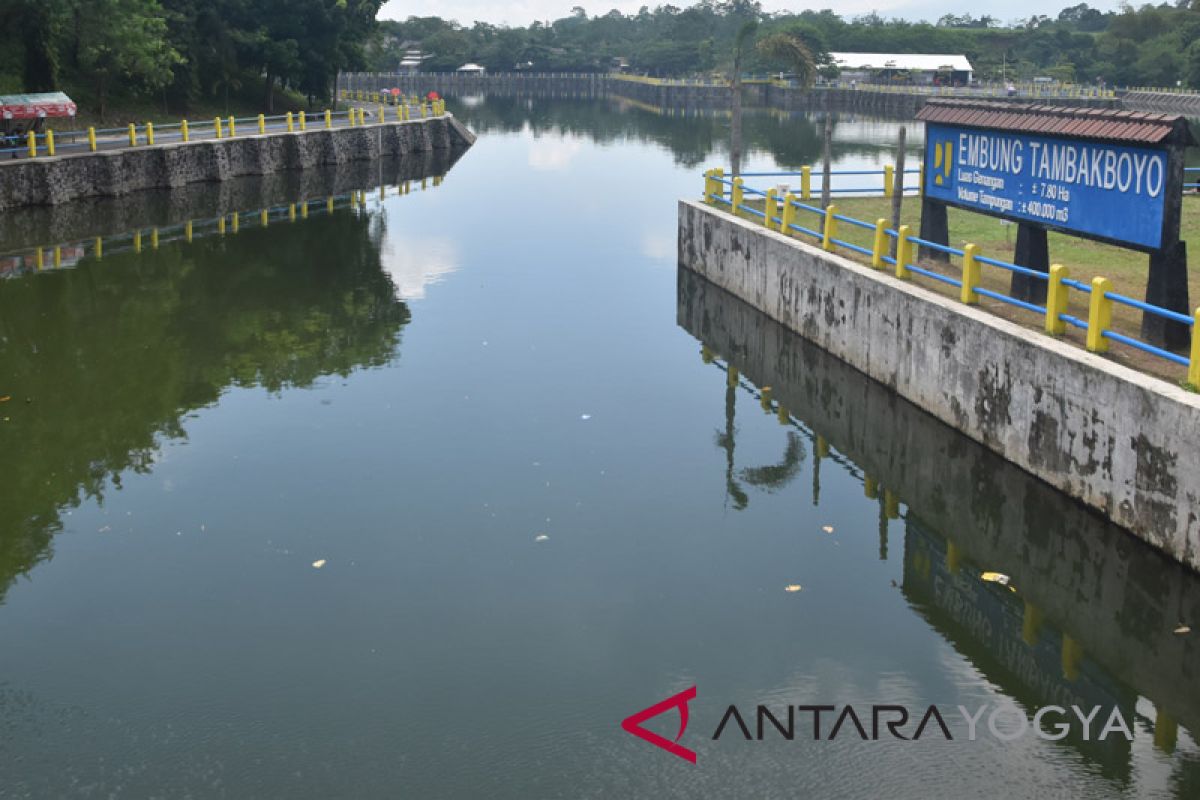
1106	191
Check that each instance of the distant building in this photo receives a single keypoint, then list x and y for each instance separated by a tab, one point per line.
411	62
939	69
472	69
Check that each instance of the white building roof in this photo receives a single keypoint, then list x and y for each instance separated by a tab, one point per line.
470	68
926	62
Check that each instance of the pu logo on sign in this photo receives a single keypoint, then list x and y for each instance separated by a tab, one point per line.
633	724
943	157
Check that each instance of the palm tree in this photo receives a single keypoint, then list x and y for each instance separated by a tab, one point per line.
741	44
791	49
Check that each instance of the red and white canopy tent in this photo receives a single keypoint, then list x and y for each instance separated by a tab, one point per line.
21	112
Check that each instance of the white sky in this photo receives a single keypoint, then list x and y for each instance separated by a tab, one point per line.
522	12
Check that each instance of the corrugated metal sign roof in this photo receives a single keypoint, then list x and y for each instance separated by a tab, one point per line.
1082	123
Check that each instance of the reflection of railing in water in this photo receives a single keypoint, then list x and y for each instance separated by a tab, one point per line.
65	255
1113	602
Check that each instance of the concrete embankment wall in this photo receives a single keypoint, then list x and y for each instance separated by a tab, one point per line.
50	181
1121	442
1089	578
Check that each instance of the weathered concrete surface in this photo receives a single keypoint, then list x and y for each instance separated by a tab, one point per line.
1123	443
1115	596
50	181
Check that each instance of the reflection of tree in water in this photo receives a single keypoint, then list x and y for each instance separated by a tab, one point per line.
112	355
794	140
770	477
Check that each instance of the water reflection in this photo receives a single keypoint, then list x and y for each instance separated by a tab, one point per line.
104	352
1089	613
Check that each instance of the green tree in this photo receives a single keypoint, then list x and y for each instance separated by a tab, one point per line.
124	40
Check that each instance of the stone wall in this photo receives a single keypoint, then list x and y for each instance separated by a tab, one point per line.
51	181
1123	443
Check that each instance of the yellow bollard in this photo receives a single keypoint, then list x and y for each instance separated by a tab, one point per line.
154	238
132	135
262	124
829	230
806	183
1056	300
57	256
150	134
235	221
1099	316
328	119
221	225
970	275
903	253
291	212
788	219
49	142
263	219
290	127
879	248
770	207
1194	362
329	205
39	259
380	119
737	196
217	126
304	210
92	139
303	121
137	241
31	140
99	248
183	130
232	127
889	178
187	231
399	113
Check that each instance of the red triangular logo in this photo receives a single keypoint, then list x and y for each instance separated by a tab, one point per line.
633	724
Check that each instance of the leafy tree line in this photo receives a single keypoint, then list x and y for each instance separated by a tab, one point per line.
1148	45
181	53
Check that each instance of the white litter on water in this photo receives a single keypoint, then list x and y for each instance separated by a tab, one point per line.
320	562
541	537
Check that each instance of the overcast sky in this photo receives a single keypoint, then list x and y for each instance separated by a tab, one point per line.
522	12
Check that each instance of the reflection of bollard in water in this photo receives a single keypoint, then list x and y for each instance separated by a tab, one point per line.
953	558
870	487
891	504
783	416
1031	624
1072	657
1166	730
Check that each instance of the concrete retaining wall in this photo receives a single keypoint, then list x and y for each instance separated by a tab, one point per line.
50	181
1126	444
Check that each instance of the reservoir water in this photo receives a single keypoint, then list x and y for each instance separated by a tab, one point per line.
422	492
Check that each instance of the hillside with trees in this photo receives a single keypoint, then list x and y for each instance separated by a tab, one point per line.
1148	45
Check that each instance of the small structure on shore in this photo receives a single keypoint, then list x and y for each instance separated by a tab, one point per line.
924	69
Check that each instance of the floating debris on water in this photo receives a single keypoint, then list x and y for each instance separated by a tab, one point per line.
995	577
1182	629
585	417
827	528
541	537
320	562
792	587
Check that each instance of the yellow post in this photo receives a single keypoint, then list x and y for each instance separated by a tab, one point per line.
92	139
303	121
263	219
1056	300
1099	316
154	238
235	221
132	135
889	178
291	212
829	229
262	124
381	110
290	127
99	248
770	206
183	130
903	253
329	204
399	113
39	258
150	134
789	214
232	127
879	249
737	196
328	119
31	141
217	126
137	241
221	225
304	210
57	256
49	142
970	275
1194	362
806	183
187	231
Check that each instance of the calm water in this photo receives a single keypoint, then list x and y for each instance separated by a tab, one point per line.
549	486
